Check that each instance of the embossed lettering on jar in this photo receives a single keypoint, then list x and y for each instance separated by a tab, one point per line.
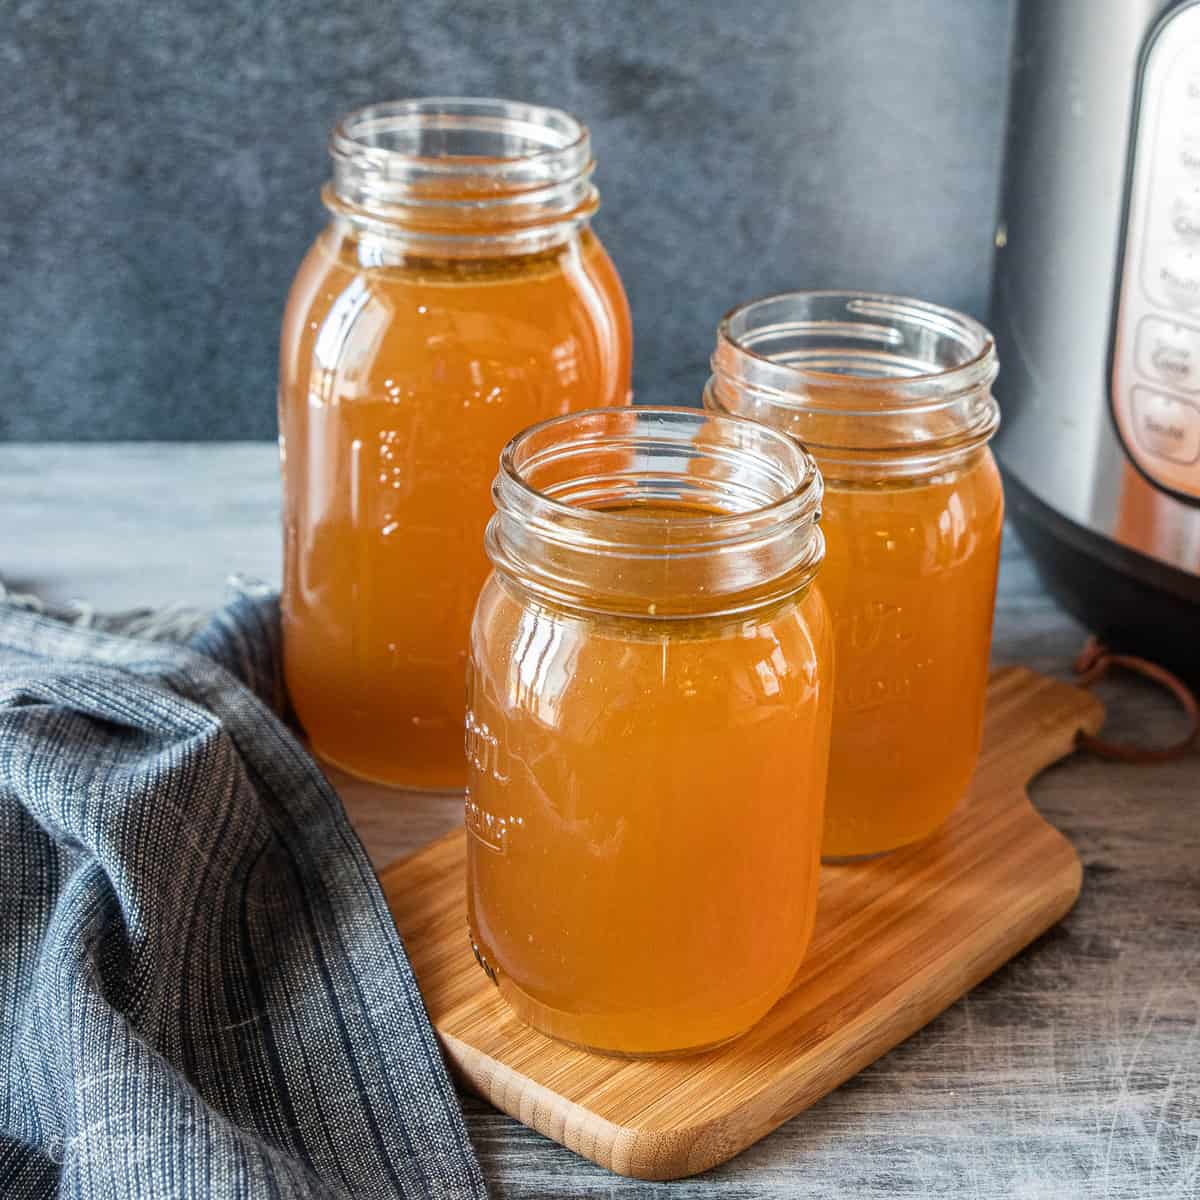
650	698
457	295
893	398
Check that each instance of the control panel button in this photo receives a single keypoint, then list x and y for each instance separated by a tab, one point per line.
1188	76
1166	426
1169	352
1185	216
1173	275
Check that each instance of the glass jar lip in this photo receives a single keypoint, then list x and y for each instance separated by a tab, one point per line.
565	148
462	176
976	370
800	501
567	527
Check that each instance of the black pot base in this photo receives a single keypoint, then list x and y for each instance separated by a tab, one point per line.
1135	604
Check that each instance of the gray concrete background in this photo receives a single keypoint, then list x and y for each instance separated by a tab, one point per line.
159	180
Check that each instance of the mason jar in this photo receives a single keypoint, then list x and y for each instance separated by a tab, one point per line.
648	725
893	398
457	295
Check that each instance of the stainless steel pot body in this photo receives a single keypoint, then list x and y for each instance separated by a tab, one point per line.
1096	301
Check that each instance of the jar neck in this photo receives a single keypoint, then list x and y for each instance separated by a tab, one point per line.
462	177
875	386
656	514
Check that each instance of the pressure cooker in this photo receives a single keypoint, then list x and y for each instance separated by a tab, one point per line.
1096	311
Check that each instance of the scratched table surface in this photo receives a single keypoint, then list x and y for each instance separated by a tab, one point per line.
1072	1072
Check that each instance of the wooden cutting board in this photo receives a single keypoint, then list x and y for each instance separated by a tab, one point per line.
898	939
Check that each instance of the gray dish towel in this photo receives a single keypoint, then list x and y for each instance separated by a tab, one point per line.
201	990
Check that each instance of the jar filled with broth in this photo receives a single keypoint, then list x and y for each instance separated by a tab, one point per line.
893	399
648	730
457	295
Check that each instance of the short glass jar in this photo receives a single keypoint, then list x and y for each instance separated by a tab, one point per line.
893	399
457	295
649	702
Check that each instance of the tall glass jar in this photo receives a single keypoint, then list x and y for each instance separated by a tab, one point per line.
457	295
648	728
893	398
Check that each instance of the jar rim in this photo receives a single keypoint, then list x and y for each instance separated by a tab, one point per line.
805	493
563	526
457	112
870	382
976	369
461	175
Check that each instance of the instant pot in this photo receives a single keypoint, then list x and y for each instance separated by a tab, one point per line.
1096	312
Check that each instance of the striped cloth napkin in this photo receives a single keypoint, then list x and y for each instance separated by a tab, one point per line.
202	993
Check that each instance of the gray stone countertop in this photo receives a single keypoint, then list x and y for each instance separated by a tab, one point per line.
1074	1071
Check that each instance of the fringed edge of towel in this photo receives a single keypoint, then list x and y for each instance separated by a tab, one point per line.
172	623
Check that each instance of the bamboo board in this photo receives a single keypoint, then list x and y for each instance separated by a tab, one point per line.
898	939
